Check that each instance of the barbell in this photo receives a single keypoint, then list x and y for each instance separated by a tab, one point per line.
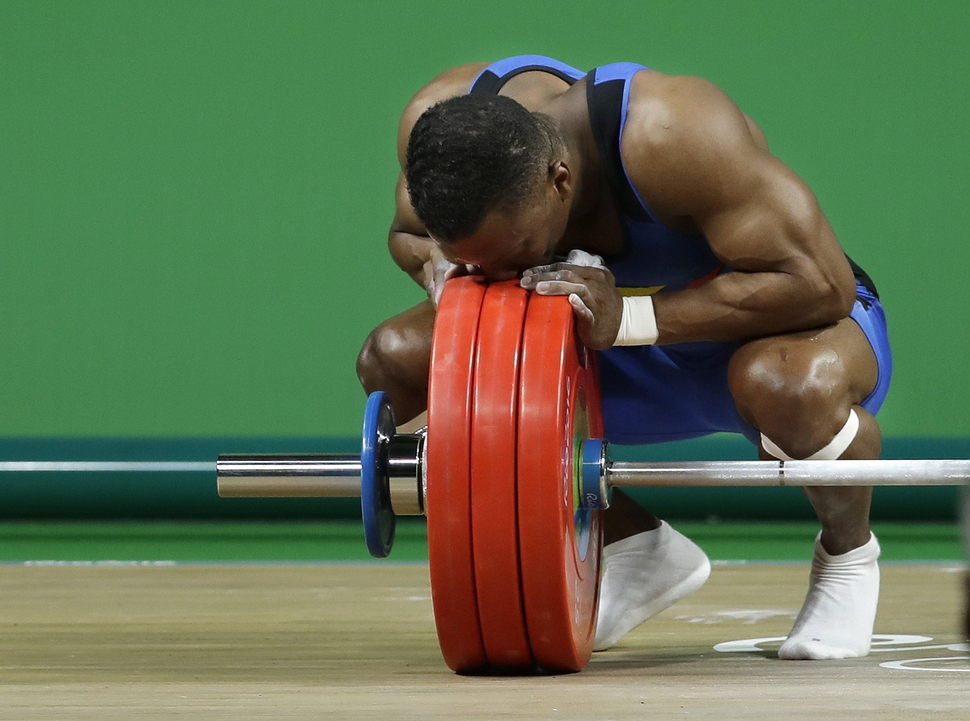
512	474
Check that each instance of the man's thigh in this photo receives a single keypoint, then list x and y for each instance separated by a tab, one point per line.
653	394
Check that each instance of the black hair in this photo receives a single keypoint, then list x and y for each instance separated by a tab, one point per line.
472	155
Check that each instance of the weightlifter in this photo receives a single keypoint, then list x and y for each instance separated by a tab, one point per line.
701	267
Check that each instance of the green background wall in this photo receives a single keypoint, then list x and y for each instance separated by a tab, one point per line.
194	196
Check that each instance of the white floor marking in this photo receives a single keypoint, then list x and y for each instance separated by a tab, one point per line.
748	616
881	643
911	664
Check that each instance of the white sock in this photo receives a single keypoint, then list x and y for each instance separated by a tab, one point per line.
837	617
641	576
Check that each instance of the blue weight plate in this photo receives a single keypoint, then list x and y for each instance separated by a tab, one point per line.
375	494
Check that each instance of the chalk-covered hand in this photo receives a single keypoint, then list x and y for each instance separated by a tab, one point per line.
438	269
591	289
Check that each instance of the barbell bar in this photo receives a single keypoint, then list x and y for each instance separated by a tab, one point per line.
339	475
391	479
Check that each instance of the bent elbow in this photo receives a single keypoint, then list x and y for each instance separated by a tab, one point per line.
834	301
846	301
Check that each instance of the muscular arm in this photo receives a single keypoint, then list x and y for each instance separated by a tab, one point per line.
703	167
408	240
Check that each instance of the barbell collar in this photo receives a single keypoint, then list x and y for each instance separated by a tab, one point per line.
289	476
404	474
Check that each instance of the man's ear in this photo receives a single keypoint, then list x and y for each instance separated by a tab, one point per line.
562	179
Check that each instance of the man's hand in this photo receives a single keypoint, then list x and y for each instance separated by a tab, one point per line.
592	294
438	269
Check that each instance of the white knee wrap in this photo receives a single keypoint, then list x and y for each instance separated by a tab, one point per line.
836	447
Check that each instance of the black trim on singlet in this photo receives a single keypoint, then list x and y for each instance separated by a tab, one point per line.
605	104
490	83
862	278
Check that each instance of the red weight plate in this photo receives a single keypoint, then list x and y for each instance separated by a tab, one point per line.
448	501
495	537
559	542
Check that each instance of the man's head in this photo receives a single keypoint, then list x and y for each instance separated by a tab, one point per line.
481	165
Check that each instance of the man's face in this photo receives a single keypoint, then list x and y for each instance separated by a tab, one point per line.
506	244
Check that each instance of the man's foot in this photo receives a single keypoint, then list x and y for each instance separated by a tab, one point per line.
641	576
837	617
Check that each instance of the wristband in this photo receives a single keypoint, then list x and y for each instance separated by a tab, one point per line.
638	325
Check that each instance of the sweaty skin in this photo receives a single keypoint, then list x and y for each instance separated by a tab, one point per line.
702	166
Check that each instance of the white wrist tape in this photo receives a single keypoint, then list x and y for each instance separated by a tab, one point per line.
836	447
638	325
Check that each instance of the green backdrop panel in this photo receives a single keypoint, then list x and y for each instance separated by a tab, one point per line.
194	196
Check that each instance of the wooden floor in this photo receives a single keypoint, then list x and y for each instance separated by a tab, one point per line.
357	641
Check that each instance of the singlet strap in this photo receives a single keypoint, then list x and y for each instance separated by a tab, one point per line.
606	101
491	80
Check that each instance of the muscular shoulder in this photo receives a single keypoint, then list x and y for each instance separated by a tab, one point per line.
682	135
453	82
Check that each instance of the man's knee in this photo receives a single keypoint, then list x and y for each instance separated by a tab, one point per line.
382	358
396	358
396	355
368	362
765	378
795	399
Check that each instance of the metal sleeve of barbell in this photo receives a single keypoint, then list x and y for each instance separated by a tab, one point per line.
791	473
290	476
